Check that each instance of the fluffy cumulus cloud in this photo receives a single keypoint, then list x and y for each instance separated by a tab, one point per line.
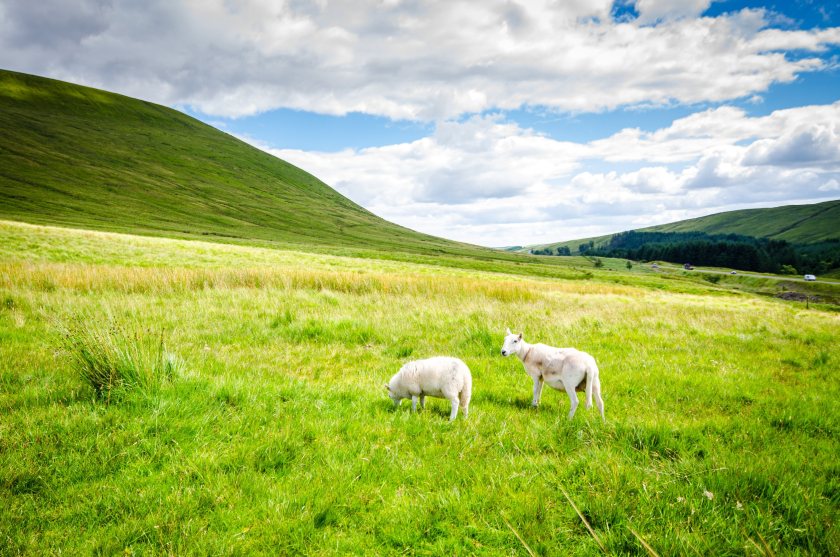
478	159
470	176
657	10
403	59
806	145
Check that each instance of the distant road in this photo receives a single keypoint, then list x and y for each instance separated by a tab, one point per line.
744	274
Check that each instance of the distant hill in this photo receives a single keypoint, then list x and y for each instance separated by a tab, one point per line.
85	158
790	239
797	224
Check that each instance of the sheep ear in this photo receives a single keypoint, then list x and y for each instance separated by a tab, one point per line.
520	336
387	387
508	331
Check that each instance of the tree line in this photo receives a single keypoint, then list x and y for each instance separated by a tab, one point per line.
716	250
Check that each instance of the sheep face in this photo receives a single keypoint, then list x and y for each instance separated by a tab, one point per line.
395	397
511	344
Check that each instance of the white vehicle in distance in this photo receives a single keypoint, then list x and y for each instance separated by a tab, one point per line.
810	277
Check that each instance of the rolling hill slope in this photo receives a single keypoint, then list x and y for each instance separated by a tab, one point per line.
81	157
796	224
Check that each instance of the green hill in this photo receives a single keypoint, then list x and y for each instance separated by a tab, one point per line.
81	157
796	224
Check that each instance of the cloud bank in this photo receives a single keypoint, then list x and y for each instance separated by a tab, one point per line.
469	177
403	59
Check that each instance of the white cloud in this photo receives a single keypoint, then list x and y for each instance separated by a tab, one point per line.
686	138
406	60
655	10
460	163
469	176
830	186
810	144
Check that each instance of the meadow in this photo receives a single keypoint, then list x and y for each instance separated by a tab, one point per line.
256	421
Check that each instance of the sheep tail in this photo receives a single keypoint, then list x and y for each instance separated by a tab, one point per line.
466	392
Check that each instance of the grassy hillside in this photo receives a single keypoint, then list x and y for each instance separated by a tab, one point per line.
796	224
76	156
252	418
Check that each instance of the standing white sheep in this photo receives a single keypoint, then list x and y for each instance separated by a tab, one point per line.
441	377
562	368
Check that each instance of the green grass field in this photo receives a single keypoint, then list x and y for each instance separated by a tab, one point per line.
256	421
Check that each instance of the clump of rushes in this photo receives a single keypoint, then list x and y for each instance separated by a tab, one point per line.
114	360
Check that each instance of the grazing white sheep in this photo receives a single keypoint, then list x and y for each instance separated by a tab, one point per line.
441	377
562	368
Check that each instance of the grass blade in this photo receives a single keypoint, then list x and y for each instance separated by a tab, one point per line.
642	541
764	543
518	537
758	547
583	518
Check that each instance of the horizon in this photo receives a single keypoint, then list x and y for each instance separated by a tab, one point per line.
497	124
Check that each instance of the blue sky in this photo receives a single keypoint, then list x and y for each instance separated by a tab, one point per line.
495	122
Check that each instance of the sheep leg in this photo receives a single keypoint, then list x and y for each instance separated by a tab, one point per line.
570	390
455	403
538	385
422	402
414	403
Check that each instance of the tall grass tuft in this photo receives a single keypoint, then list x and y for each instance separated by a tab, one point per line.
115	361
